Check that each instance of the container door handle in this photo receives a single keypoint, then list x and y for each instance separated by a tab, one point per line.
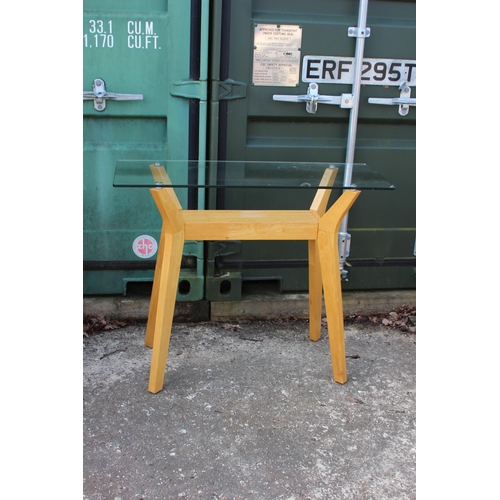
313	98
404	101
99	95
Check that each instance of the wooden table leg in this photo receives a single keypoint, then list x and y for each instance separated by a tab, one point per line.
318	207
168	279
315	291
153	303
329	226
165	284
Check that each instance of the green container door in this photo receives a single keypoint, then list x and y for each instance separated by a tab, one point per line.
137	52
278	47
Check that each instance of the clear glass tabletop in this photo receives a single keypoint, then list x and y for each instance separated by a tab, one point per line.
244	174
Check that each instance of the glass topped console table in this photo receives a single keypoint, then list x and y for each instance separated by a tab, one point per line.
168	181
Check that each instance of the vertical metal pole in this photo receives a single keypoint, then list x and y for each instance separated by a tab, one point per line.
215	72
202	136
202	129
361	33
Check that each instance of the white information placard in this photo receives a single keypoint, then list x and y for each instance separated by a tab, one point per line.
276	56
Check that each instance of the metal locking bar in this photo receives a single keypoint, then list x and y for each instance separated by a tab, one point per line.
313	98
360	32
99	95
404	100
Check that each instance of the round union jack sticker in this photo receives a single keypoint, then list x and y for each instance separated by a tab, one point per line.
144	246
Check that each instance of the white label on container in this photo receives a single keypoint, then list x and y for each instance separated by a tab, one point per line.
276	55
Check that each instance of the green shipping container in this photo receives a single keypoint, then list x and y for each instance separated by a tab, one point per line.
217	80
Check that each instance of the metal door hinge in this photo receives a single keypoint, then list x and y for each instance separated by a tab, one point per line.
404	101
313	98
228	90
99	95
190	89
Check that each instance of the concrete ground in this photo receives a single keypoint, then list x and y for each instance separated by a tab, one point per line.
250	410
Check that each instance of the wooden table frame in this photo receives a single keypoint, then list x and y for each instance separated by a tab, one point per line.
320	229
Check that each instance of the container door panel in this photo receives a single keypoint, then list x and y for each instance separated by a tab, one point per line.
136	49
382	224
